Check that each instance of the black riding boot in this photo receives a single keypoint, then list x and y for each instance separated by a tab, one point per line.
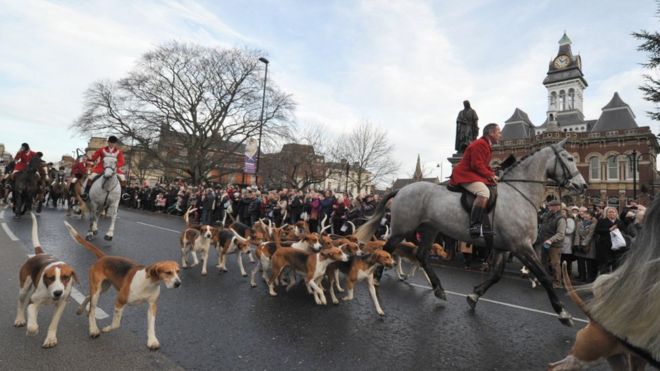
476	216
86	191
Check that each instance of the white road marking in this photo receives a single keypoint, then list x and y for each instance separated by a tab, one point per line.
502	303
75	294
79	297
11	234
155	226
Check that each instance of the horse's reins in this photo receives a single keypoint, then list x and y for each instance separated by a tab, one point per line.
107	194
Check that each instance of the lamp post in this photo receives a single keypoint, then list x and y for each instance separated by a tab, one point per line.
348	168
261	120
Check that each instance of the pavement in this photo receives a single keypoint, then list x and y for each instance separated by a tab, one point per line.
74	351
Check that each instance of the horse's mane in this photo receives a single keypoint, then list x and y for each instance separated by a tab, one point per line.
627	301
521	160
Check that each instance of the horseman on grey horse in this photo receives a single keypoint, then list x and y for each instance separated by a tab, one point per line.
429	209
105	193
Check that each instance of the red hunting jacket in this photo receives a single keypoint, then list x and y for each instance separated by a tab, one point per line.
106	151
22	159
475	164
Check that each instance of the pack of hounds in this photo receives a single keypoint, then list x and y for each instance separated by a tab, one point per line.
281	254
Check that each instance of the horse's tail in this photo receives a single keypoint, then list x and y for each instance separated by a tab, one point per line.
78	238
366	230
570	290
35	236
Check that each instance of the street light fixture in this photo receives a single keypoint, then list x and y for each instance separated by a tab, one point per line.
261	120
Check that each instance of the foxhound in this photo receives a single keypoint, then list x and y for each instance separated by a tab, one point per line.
359	268
312	265
43	280
229	242
196	240
134	284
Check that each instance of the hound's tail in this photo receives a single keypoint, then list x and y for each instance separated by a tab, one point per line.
570	290
35	235
78	238
368	229
185	216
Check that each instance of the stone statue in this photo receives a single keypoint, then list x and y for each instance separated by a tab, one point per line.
467	129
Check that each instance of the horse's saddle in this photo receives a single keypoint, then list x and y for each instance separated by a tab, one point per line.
467	198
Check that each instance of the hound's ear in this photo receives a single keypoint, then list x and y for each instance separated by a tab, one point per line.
561	144
152	271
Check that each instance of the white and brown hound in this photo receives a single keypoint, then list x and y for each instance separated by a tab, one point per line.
43	280
196	240
134	284
312	265
408	251
229	242
359	268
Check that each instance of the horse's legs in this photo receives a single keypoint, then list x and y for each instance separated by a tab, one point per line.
93	218
499	261
532	262
111	230
428	237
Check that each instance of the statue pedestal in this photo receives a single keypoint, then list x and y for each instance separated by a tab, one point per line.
455	159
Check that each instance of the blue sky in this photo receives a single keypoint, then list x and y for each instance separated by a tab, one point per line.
405	66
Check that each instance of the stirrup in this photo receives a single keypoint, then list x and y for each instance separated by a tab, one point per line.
475	231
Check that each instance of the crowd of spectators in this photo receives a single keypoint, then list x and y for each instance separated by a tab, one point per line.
213	204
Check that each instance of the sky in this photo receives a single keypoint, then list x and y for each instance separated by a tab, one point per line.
404	66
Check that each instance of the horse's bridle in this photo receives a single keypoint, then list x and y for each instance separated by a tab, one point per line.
558	161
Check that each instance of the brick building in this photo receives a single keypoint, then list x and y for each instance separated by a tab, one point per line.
605	148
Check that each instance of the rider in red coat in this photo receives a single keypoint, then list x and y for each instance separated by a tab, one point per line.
111	150
23	158
474	174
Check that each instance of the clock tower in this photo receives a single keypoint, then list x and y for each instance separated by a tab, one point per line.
565	83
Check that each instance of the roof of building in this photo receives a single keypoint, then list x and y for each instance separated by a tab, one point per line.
616	115
566	118
518	126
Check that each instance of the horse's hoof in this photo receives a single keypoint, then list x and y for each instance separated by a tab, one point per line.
89	237
440	293
472	300
107	238
566	319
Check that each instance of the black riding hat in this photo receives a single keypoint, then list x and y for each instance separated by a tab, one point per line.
27	146
112	139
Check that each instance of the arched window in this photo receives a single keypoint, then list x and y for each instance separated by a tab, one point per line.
553	100
594	168
612	168
562	100
571	98
629	167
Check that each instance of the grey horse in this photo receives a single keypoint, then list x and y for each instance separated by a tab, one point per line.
104	193
431	209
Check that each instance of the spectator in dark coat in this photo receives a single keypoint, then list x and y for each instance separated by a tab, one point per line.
606	258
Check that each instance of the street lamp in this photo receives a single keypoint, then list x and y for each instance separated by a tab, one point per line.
348	168
261	120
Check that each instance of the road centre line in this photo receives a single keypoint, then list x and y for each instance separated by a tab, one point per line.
158	227
75	294
502	303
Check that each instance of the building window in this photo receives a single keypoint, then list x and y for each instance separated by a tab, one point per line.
594	168
571	98
612	168
553	100
629	168
562	100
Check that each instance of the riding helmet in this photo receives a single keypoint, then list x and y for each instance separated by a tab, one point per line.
112	139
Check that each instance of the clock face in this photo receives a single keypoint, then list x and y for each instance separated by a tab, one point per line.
562	61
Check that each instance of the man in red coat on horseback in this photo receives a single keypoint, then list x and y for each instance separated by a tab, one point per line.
474	174
111	150
22	159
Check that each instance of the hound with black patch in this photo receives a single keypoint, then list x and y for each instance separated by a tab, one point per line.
231	243
43	280
134	284
357	269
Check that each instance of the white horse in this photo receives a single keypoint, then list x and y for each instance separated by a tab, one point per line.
104	193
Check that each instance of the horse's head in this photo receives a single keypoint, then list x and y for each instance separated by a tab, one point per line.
562	168
109	166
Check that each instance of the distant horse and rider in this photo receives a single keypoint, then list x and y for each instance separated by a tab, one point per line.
28	178
509	226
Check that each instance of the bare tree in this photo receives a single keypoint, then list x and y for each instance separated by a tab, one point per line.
369	152
189	107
